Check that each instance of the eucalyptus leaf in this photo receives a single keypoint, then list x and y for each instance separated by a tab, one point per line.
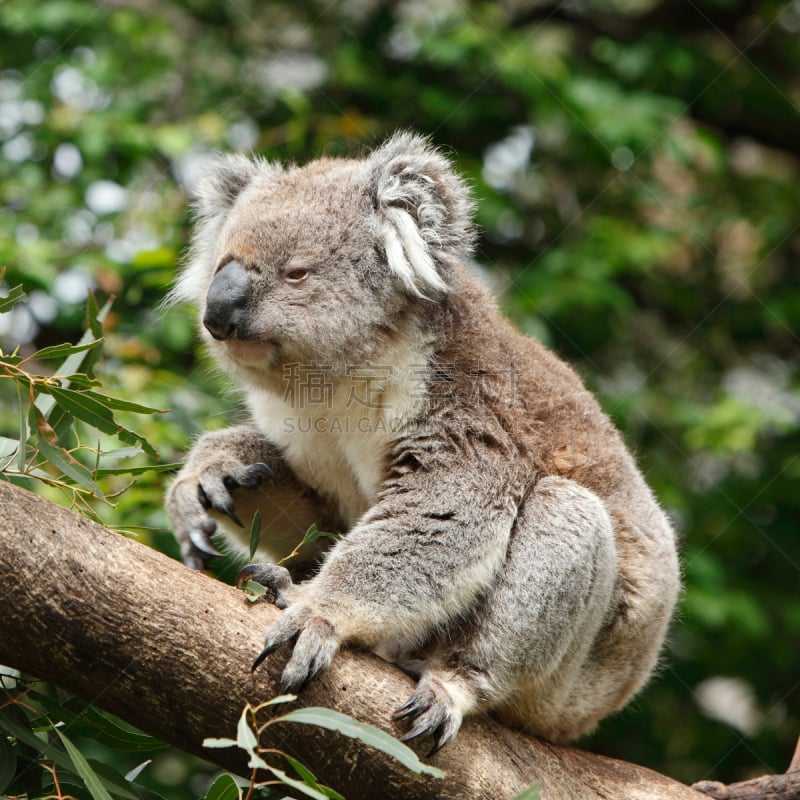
64	350
8	449
24	430
64	462
281	698
8	762
300	786
141	470
310	779
82	767
533	792
369	734
82	360
133	774
14	296
313	533
213	742
245	736
253	591
224	788
89	407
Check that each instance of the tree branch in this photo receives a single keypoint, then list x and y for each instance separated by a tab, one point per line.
767	787
169	651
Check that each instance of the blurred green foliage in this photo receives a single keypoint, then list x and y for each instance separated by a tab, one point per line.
637	169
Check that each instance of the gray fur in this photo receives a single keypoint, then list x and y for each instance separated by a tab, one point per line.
499	540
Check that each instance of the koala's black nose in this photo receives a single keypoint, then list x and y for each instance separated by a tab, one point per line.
226	301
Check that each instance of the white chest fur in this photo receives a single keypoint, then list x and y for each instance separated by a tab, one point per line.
336	434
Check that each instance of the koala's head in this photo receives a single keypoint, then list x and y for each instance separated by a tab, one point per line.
319	262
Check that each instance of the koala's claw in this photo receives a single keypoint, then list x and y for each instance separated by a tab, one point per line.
256	474
282	631
250	477
409	709
221	502
313	652
194	562
199	537
214	492
202	488
276	580
432	711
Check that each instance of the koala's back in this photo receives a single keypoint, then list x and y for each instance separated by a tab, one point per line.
535	403
509	390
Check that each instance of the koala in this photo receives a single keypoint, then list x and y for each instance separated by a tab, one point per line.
497	540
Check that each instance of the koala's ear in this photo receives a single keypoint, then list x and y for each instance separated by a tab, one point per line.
223	182
214	194
424	207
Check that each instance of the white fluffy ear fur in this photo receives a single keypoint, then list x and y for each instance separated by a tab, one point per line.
218	189
425	210
214	195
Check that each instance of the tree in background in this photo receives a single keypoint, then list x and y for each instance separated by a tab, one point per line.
636	167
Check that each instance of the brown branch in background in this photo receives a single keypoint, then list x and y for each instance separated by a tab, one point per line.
767	787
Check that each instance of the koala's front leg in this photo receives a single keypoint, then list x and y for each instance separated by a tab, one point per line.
419	558
205	494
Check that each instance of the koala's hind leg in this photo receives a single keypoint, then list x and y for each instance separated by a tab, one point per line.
227	477
534	629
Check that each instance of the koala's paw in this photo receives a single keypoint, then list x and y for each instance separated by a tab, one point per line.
431	711
313	651
192	497
276	580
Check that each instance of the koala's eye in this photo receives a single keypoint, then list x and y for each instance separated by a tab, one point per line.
295	275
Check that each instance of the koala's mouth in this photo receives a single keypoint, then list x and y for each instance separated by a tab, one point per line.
250	351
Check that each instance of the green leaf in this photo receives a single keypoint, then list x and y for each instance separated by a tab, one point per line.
255	535
213	742
133	774
313	533
224	788
310	779
98	725
61	459
95	318
245	737
280	698
533	792
369	734
122	452
8	449
300	786
8	762
247	741
120	786
85	359
87	407
23	399
253	591
124	405
14	296
141	470
64	350
256	762
84	769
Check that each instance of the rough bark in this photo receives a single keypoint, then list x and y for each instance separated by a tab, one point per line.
169	651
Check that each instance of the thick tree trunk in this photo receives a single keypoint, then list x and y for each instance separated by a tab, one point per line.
169	651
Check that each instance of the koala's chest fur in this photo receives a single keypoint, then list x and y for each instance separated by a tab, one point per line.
336	433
